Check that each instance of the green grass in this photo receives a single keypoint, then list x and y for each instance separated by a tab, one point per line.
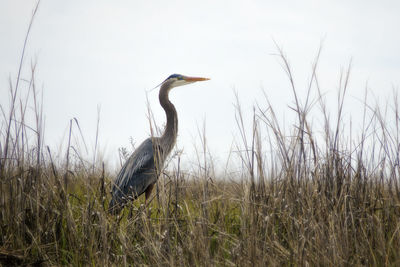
322	209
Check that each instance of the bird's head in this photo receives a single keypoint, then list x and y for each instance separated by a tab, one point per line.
176	80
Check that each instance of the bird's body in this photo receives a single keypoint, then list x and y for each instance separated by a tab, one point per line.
140	172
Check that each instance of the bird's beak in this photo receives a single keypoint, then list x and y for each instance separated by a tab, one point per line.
195	79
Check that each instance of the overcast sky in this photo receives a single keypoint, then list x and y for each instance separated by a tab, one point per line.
109	53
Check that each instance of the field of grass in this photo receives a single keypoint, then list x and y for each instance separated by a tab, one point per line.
316	198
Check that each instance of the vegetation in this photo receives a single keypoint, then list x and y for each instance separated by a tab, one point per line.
303	197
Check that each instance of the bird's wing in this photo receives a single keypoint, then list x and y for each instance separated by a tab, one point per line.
137	173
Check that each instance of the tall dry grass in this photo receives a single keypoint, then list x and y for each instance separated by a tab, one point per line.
303	196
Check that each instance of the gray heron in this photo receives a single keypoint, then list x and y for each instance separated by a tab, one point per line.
140	172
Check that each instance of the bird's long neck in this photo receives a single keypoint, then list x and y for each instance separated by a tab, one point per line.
168	138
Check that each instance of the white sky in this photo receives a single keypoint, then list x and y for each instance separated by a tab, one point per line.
108	53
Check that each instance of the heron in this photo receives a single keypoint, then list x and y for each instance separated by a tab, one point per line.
140	172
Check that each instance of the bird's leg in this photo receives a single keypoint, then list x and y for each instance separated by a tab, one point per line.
148	193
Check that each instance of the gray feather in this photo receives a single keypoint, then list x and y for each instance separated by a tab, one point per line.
136	174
